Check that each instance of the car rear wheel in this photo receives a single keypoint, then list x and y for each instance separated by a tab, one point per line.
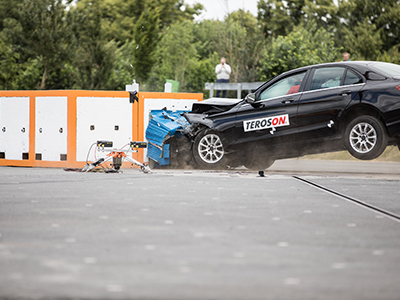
365	138
209	151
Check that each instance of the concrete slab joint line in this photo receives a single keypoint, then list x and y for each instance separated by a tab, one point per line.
374	208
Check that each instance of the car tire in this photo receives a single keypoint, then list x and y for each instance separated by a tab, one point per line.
365	138
209	151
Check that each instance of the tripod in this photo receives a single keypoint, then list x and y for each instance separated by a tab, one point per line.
117	156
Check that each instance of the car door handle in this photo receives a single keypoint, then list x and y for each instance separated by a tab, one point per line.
344	93
287	101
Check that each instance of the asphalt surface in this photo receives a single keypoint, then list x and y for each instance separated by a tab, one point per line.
176	234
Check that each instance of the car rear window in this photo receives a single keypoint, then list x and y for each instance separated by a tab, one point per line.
387	68
352	78
327	77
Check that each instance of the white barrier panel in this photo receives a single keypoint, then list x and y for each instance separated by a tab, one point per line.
51	128
102	118
14	128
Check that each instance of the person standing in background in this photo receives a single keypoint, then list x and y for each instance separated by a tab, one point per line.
346	56
223	71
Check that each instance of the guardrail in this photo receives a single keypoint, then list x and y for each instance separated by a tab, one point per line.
239	86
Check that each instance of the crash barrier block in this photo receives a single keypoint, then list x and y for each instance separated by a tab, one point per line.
158	101
57	128
237	86
163	125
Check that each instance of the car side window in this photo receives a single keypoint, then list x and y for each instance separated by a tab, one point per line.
285	86
352	78
327	78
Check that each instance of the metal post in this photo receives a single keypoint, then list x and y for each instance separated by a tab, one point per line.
239	91
211	90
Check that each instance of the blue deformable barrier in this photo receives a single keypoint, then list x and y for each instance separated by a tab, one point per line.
162	125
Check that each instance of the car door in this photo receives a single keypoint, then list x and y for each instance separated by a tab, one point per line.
329	90
273	115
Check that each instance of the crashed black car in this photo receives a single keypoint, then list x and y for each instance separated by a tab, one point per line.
314	109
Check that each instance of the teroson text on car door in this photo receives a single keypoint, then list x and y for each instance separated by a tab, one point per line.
273	113
329	90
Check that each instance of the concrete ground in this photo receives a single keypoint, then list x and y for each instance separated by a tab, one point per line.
176	234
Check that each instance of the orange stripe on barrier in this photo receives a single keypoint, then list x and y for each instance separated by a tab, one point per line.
71	123
32	131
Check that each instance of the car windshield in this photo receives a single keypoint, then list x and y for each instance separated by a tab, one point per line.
387	68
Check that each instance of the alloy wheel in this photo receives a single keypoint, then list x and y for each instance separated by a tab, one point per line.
210	148
363	137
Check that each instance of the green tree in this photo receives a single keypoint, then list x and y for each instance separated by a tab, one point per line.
377	15
176	50
392	56
364	41
122	72
279	17
249	48
46	35
303	46
80	44
176	53
146	36
93	58
238	39
39	30
227	39
178	58
10	12
368	27
325	13
199	72
8	66
120	16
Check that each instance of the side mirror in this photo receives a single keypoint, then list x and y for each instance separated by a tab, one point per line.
251	98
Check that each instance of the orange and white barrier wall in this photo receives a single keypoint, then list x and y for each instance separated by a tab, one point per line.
57	128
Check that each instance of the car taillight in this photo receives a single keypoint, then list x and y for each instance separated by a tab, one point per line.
398	87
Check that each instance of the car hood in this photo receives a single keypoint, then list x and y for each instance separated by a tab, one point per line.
214	105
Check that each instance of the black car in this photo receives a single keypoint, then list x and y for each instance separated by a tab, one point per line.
314	109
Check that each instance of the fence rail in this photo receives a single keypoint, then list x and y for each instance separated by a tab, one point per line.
247	86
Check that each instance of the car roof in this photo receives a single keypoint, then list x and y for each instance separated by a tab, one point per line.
361	66
353	64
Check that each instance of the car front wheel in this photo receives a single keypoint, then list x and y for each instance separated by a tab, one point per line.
365	138
209	151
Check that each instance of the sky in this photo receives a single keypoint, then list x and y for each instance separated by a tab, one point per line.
218	9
